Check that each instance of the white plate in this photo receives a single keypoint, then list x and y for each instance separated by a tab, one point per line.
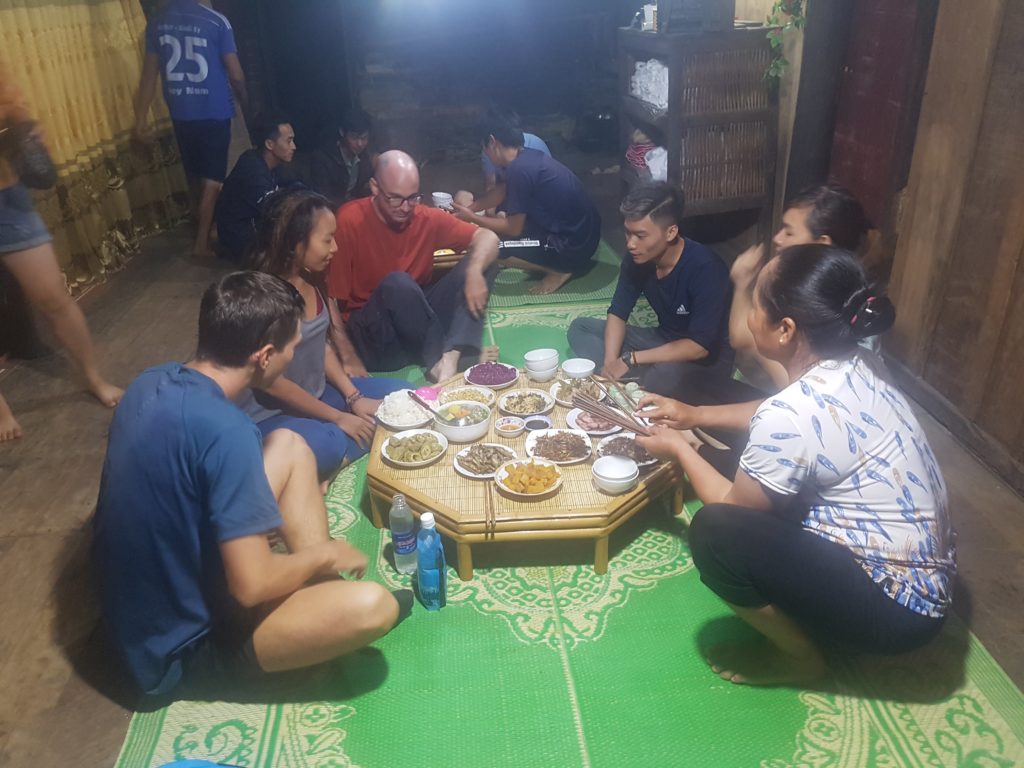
469	372
427	416
632	436
570	419
502	473
474	476
455	393
531	443
413	464
549	402
553	391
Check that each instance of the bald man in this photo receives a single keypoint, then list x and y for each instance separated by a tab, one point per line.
381	278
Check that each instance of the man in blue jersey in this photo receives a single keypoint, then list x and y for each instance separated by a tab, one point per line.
688	288
193	596
192	48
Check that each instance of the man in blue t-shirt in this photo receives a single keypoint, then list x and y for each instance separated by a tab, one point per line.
688	288
192	48
192	594
543	201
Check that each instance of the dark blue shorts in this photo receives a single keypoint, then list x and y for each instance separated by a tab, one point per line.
21	227
203	145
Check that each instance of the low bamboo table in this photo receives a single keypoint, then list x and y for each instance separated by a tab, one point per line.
461	506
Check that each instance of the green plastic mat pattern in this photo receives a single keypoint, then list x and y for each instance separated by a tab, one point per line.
511	288
539	662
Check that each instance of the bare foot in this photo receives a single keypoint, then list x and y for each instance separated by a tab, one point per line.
10	429
761	663
106	393
444	368
550	283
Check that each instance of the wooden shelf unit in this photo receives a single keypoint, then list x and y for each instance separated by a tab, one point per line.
720	126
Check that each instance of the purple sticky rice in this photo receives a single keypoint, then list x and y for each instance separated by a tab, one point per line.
490	374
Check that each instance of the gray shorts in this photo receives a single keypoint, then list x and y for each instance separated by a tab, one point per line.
21	227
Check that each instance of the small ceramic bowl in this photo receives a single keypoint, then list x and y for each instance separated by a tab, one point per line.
533	423
545	375
541	359
578	368
615	474
509	426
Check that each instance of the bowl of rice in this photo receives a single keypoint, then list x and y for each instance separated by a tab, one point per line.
398	411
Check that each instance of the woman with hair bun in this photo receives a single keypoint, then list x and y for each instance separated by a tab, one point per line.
835	527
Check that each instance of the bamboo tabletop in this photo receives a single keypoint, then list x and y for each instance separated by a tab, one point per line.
462	503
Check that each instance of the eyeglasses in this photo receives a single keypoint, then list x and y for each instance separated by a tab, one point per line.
396	201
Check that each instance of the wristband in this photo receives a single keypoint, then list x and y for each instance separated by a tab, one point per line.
629	358
353	398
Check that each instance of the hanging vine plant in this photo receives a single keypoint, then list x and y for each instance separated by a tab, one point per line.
784	16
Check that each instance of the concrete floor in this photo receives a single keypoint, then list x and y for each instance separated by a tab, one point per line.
64	701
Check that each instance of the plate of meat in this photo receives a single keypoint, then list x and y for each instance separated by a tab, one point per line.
589	423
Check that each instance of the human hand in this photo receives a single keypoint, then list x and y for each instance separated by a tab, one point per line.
366	408
143	133
342	559
744	270
476	293
356	427
464	213
668	412
463	197
664	442
614	369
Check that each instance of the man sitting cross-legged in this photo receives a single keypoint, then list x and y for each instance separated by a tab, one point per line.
381	278
192	593
688	288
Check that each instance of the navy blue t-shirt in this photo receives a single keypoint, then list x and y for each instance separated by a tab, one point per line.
553	200
183	472
240	201
691	302
191	41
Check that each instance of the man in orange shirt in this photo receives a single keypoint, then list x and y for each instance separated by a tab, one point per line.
380	277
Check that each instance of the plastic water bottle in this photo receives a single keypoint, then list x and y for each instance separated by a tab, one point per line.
431	573
403	535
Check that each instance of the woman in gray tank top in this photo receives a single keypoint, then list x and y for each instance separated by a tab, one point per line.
315	397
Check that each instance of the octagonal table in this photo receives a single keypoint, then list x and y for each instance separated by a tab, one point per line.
475	511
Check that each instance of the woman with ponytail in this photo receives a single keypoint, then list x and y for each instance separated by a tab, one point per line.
834	528
315	397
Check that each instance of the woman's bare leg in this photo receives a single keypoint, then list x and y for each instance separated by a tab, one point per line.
40	278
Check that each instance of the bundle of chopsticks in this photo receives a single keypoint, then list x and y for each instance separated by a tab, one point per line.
610	413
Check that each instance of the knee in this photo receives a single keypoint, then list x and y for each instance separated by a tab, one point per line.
399	284
584	328
375	610
52	300
710	527
285	446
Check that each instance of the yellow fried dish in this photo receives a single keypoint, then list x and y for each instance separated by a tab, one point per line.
530	477
421	447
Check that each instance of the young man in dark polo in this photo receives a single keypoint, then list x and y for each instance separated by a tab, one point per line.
688	288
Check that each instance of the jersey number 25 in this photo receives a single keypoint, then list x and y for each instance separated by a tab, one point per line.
191	54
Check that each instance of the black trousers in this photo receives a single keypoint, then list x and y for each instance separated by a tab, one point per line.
403	323
751	558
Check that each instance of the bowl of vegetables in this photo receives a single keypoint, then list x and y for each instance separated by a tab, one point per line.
462	421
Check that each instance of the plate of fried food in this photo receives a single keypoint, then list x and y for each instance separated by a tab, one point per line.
526	402
563	390
475	394
481	461
562	446
626	445
528	480
414	448
589	423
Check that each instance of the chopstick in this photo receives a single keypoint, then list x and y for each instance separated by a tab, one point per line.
622	419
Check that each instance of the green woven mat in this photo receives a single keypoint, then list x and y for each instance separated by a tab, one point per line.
511	288
540	662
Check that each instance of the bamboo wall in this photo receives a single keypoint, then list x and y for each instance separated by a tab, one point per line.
958	276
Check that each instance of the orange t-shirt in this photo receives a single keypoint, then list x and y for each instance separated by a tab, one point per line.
369	250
